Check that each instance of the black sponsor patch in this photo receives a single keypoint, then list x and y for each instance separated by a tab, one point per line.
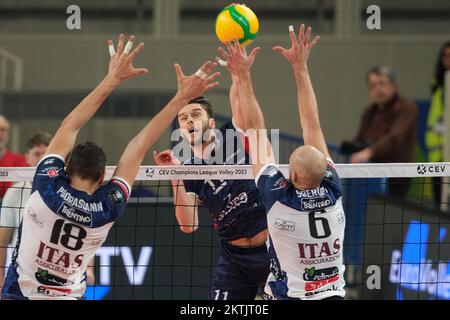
116	196
44	277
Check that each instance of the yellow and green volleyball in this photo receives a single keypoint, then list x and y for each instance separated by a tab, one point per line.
238	21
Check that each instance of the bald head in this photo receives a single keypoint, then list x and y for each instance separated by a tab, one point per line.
307	167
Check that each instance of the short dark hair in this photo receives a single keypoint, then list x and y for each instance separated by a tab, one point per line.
381	70
206	105
39	138
87	161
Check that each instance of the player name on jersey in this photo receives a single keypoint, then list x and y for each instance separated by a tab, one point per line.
79	203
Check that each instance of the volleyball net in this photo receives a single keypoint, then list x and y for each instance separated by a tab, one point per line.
396	246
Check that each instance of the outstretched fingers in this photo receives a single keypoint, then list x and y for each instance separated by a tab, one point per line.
178	71
136	51
212	77
280	50
129	44
211	85
313	43
208	66
254	52
307	35
224	54
137	71
120	44
292	36
112	51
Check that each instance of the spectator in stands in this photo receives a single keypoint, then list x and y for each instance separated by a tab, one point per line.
387	131
8	158
434	135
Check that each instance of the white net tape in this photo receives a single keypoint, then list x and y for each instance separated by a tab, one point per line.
243	172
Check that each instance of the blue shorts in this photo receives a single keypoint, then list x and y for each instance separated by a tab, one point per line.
239	272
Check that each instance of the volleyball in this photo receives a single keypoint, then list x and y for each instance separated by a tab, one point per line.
237	21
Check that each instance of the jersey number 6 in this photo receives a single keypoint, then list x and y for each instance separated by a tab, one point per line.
313	221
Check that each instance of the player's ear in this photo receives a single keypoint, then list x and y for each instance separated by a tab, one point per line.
294	177
212	123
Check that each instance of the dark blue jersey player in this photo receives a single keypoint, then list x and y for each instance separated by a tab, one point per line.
235	206
69	214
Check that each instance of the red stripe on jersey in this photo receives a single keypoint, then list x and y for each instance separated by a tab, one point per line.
122	186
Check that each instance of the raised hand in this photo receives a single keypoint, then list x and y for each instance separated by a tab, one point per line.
121	62
165	158
238	62
195	85
298	54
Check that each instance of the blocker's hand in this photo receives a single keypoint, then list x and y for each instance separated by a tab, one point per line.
165	158
298	54
121	62
238	62
195	85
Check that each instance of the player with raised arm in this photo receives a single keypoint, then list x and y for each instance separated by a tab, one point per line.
69	213
305	216
236	206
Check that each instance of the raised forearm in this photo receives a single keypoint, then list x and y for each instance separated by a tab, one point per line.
306	99
156	127
236	110
186	209
252	114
